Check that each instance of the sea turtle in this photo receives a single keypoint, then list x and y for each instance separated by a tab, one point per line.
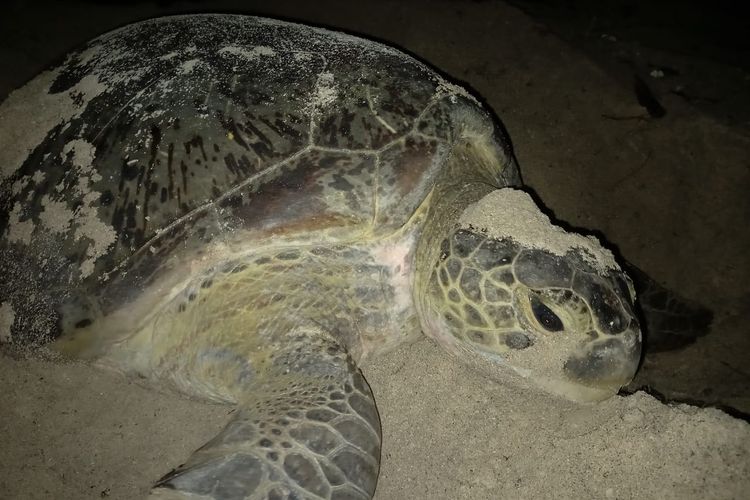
244	209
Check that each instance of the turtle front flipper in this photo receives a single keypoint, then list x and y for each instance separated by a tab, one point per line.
306	427
671	321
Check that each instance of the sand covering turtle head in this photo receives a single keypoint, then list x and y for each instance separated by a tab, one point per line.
510	288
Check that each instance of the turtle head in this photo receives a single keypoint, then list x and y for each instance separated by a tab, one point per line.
552	306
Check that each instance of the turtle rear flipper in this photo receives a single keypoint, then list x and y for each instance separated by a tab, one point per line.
671	321
307	428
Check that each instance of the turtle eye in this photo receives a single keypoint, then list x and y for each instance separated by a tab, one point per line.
544	315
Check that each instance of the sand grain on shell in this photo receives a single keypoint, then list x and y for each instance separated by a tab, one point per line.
29	111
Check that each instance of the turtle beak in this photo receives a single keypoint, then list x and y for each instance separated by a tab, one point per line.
601	367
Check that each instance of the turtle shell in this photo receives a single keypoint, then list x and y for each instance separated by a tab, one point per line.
162	139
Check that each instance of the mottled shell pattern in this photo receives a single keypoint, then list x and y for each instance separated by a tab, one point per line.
131	160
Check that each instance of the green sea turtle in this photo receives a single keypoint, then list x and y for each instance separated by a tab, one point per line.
244	209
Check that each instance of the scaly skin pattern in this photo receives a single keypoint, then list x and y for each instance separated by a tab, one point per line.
523	305
249	307
278	335
306	426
